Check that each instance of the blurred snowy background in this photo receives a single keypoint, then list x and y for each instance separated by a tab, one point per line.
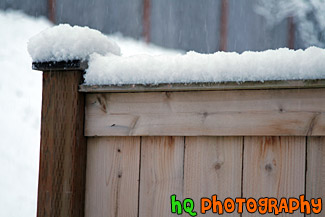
20	107
201	25
204	26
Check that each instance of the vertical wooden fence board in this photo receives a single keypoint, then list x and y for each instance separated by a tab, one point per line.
315	179
274	167
213	165
112	176
161	174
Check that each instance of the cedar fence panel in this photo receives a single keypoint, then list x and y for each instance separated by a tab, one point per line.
246	142
145	143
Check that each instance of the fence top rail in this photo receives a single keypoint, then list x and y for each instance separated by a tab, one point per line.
249	85
173	87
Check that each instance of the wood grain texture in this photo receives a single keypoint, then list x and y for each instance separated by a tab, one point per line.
63	146
112	176
248	85
161	174
211	113
213	165
315	179
274	167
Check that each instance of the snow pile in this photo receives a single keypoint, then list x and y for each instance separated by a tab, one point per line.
281	64
108	67
20	110
64	42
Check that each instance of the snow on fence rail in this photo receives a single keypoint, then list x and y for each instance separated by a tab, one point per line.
124	149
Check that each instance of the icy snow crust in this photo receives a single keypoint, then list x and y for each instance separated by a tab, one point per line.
281	64
64	42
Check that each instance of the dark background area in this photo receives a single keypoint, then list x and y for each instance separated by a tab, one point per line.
201	25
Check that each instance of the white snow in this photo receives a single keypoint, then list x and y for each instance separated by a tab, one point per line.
64	42
281	64
20	110
108	67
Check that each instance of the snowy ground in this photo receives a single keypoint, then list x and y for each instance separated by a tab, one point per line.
20	108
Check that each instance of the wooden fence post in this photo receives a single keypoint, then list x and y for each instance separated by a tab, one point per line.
224	25
146	19
61	188
291	33
51	10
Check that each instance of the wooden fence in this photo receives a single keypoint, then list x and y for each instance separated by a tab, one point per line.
138	145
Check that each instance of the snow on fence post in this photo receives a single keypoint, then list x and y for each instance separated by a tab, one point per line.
63	146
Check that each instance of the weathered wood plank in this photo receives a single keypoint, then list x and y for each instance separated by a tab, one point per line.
248	85
274	167
210	113
315	179
213	165
161	174
112	176
62	169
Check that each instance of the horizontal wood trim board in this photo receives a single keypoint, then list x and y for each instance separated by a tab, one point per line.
281	112
248	85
